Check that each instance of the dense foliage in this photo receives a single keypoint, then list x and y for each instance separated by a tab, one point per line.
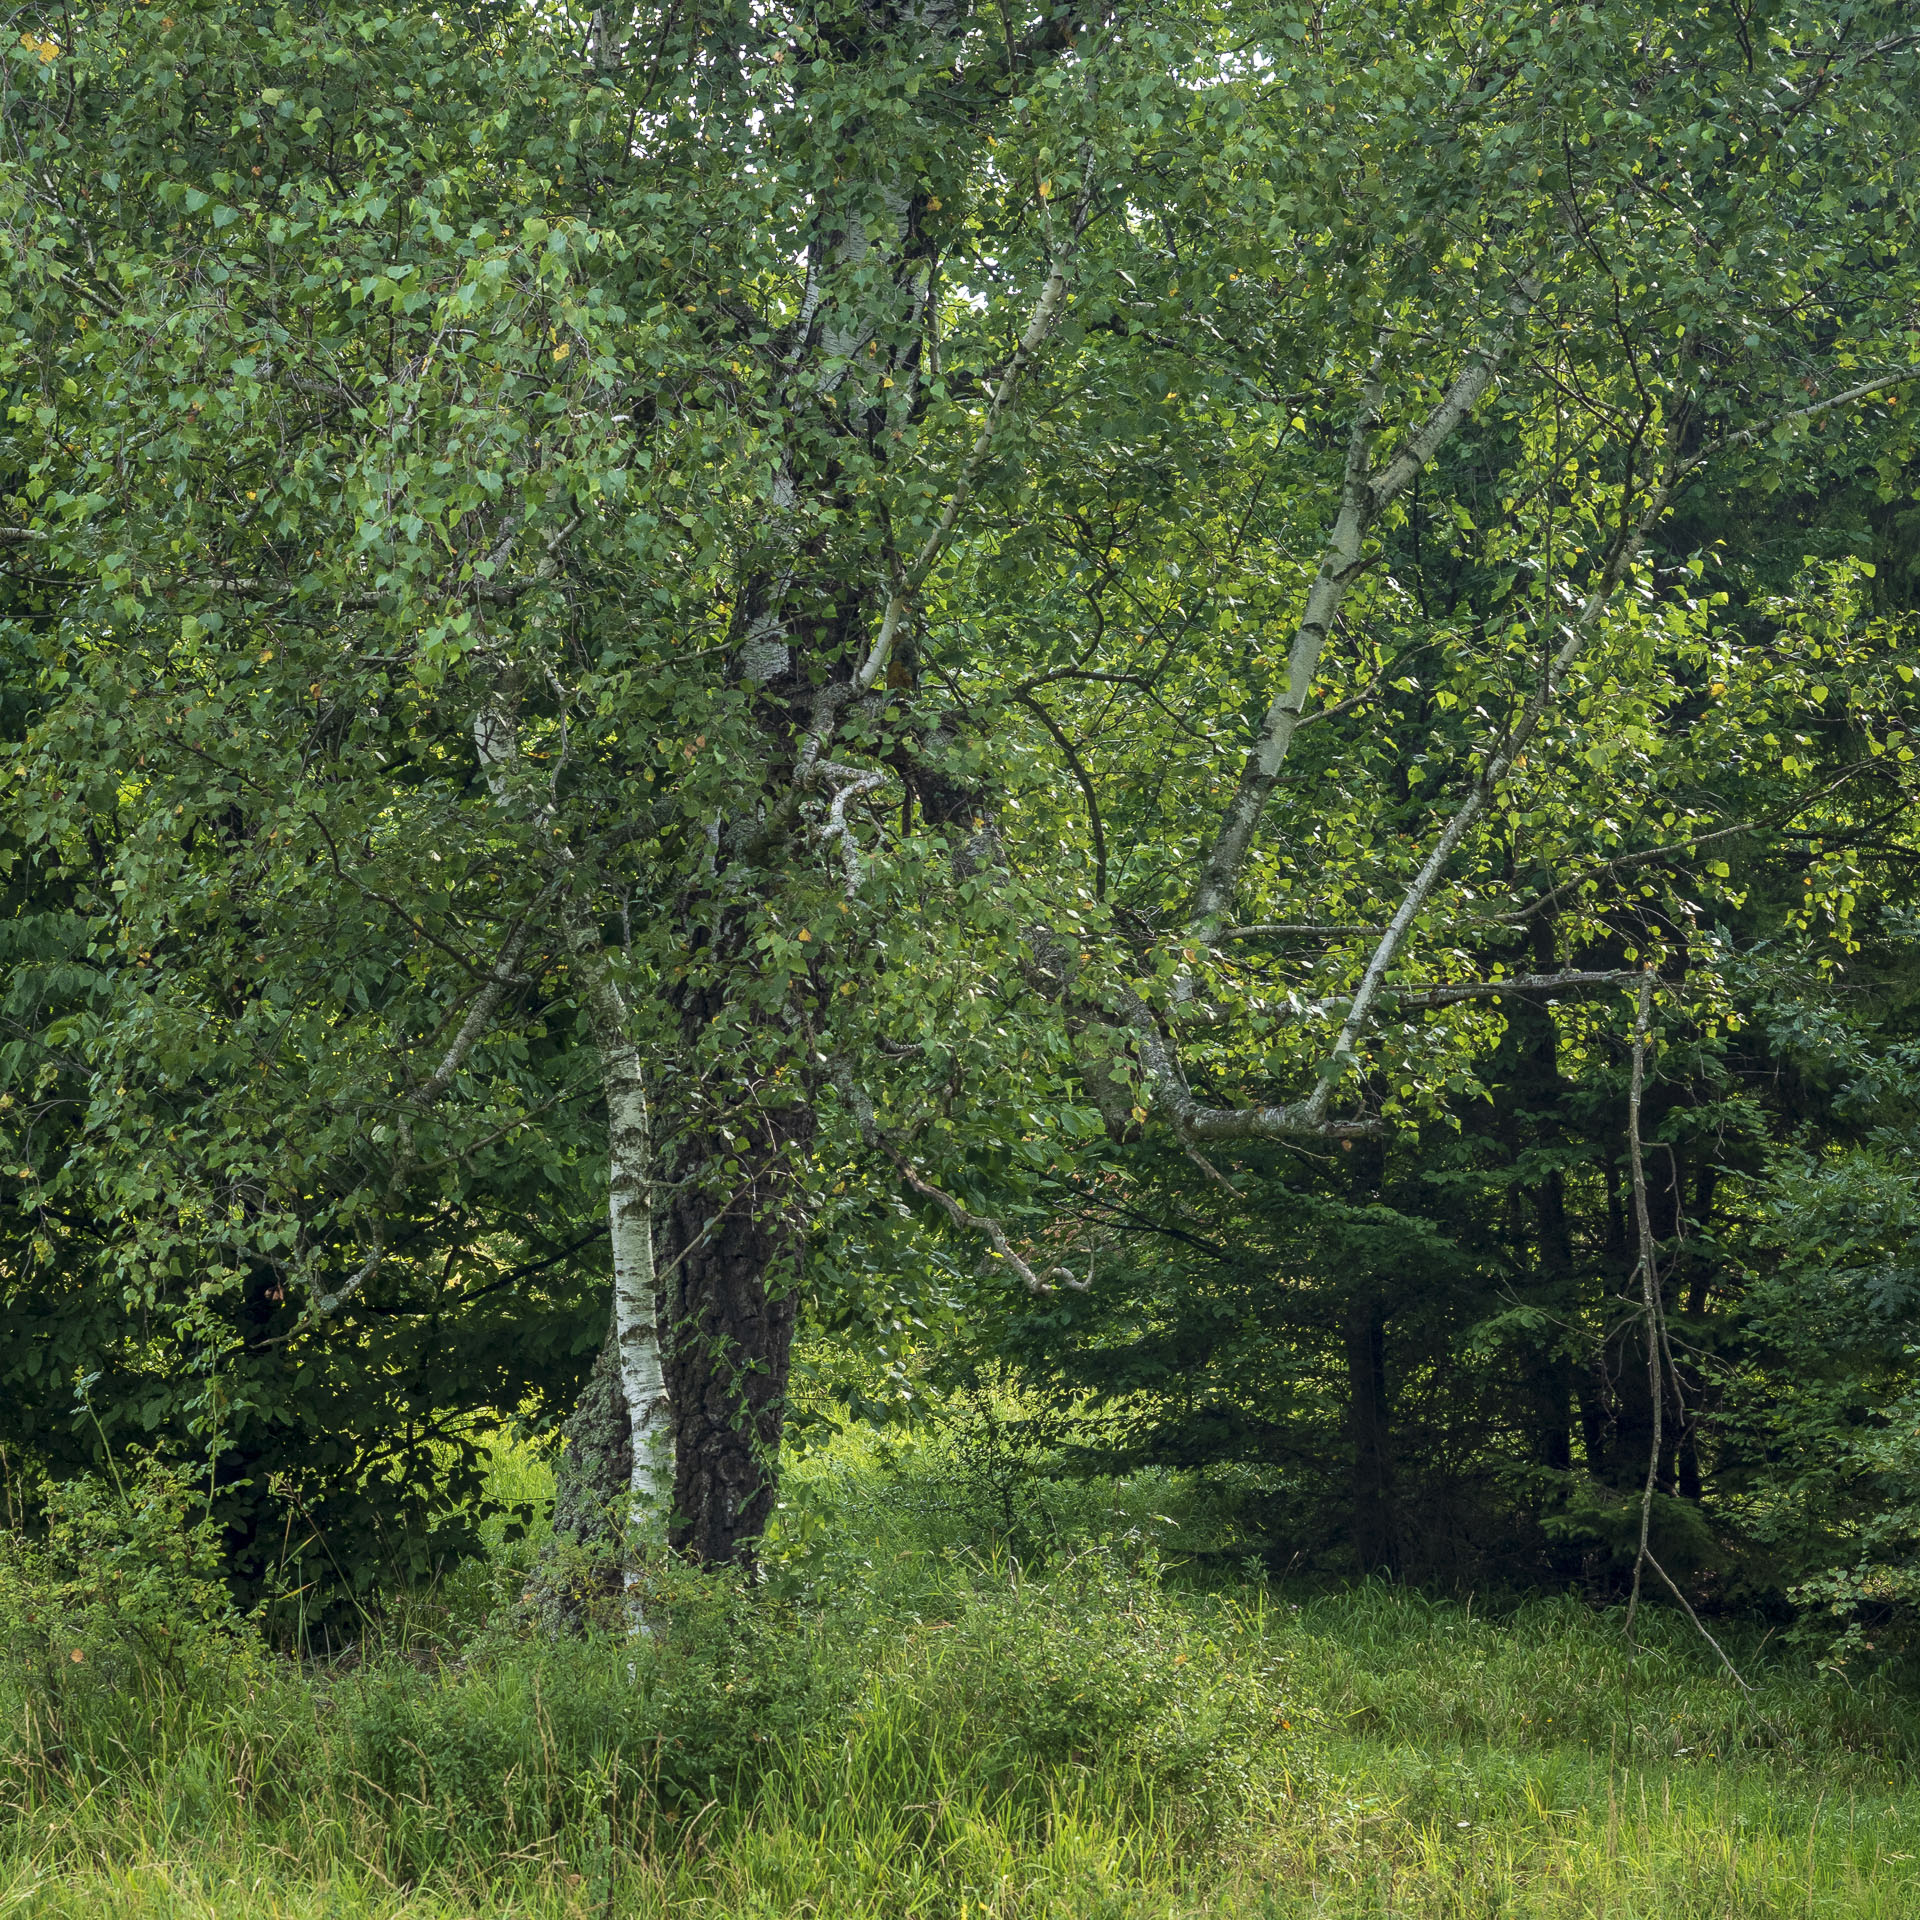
1057	685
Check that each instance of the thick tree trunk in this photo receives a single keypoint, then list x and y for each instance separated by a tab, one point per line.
730	1300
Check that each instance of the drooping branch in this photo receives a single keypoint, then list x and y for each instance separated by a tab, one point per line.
1660	1367
1649	1273
1095	825
983	1224
990	1229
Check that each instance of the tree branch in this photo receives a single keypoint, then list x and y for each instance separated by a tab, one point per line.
1363	495
961	1216
1085	779
1047	313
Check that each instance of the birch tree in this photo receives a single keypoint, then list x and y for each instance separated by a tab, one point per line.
483	407
763	453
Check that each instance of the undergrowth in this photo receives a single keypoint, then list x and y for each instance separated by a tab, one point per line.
962	1688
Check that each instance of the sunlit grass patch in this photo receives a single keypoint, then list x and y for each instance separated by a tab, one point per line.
910	1717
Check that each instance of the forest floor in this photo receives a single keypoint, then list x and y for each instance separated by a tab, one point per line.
906	1722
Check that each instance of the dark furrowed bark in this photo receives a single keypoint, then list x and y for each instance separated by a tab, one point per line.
730	1303
593	1475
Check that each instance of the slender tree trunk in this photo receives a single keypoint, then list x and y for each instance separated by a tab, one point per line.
1594	1423
636	1309
624	1418
617	1473
1375	1533
1552	1376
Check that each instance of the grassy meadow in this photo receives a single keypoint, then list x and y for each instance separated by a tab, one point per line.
953	1696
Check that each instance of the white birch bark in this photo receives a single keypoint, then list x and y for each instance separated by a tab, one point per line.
636	1315
636	1311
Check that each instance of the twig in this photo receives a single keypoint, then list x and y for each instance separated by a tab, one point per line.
1655	1312
1649	1287
961	1216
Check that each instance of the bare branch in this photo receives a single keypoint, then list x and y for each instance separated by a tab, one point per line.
501	977
1447	993
1309	929
1649	1282
329	1304
1363	495
1880	383
1165	1084
858	781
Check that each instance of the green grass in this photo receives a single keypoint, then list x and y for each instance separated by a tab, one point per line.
907	1721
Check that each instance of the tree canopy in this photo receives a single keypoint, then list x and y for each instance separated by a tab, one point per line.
1096	686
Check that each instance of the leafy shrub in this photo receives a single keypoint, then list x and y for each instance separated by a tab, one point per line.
116	1623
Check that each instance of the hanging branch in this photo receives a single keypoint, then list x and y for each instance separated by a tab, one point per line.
1659	1358
1649	1285
990	1229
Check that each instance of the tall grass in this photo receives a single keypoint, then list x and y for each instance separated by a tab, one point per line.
907	1719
